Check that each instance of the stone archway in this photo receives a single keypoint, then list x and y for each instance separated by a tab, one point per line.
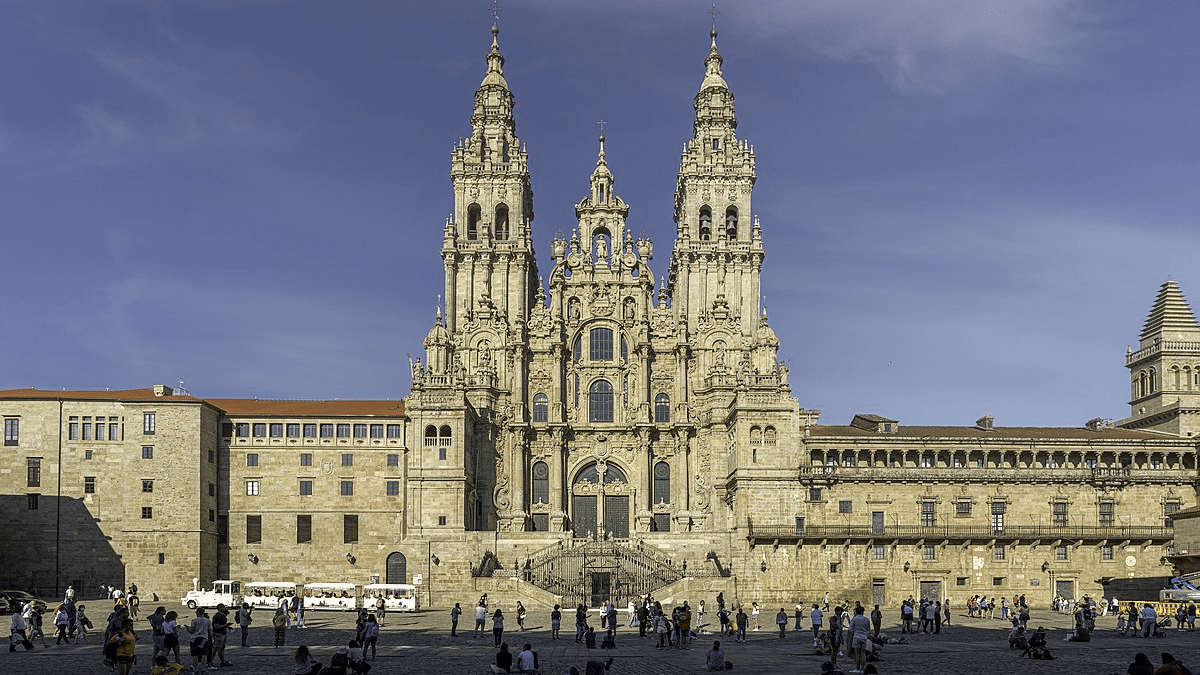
397	569
600	502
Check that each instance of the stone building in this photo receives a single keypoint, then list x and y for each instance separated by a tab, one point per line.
597	433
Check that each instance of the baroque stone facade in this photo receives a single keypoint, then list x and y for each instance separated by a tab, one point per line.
641	435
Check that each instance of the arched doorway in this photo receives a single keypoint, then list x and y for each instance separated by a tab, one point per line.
397	569
600	502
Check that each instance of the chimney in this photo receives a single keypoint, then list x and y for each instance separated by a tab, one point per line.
162	390
984	423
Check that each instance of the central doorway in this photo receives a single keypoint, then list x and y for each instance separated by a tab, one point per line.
600	502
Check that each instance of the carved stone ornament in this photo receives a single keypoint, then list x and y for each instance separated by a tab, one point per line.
474	192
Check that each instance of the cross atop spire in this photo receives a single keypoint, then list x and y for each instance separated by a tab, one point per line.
714	14
496	9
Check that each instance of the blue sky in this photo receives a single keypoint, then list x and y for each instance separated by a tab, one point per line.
968	208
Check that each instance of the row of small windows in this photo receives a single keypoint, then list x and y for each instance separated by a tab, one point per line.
306	459
981	460
310	430
304	529
499	225
731	223
1145	382
391	487
1059	511
87	429
540	481
435	436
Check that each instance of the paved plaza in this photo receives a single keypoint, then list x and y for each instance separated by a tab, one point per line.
420	643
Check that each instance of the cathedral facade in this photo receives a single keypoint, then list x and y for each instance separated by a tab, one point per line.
591	432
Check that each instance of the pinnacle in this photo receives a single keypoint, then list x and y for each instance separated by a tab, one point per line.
1170	313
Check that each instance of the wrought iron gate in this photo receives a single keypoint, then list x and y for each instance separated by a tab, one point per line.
592	572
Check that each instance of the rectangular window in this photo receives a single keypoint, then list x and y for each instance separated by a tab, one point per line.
306	488
393	460
148	423
147	485
1107	514
87	454
243	429
326	431
376	431
114	431
87	432
930	552
222	530
343	431
100	435
162	558
997	581
600	346
928	514
147	512
310	430
89	485
845	506
73	430
303	529
393	431
360	431
442	454
799	524
1060	553
1169	507
212	489
147	452
1059	514
251	488
251	459
226	429
879	552
393	488
32	501
212	457
11	431
814	494
276	429
212	516
347	459
349	529
998	552
347	488
306	459
260	429
1106	552
833	567
253	529
960	581
962	507
34	472
441	520
998	510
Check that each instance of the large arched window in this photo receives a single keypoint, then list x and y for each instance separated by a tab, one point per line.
1153	381
731	222
705	223
397	569
474	215
431	435
541	408
662	408
541	483
600	344
600	402
662	483
501	227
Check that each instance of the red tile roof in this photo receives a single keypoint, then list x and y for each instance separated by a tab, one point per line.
232	406
117	395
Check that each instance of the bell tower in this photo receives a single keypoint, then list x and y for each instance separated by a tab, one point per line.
1165	369
487	250
717	261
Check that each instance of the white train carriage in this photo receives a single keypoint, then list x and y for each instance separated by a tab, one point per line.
396	597
268	594
337	596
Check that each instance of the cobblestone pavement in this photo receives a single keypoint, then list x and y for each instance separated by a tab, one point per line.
420	643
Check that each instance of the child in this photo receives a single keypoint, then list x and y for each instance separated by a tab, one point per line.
82	623
162	667
1121	625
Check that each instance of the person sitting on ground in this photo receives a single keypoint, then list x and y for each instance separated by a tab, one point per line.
1141	665
597	668
340	663
305	665
503	660
610	640
589	637
1037	646
527	660
1170	666
714	658
163	667
828	668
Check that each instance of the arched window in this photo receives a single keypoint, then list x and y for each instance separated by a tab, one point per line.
624	350
731	218
1141	385
577	350
501	228
600	344
662	408
431	435
769	436
445	435
705	223
397	569
662	483
756	436
474	215
541	408
541	483
600	402
1153	381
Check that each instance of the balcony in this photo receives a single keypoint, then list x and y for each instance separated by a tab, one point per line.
1098	477
816	533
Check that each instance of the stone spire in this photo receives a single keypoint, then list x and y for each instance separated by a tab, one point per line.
1170	318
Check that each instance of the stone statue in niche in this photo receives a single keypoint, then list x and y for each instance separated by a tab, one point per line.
601	248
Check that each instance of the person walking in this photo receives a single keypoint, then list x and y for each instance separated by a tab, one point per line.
781	619
371	635
521	616
876	620
243	621
860	634
83	624
498	626
454	614
280	622
817	620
